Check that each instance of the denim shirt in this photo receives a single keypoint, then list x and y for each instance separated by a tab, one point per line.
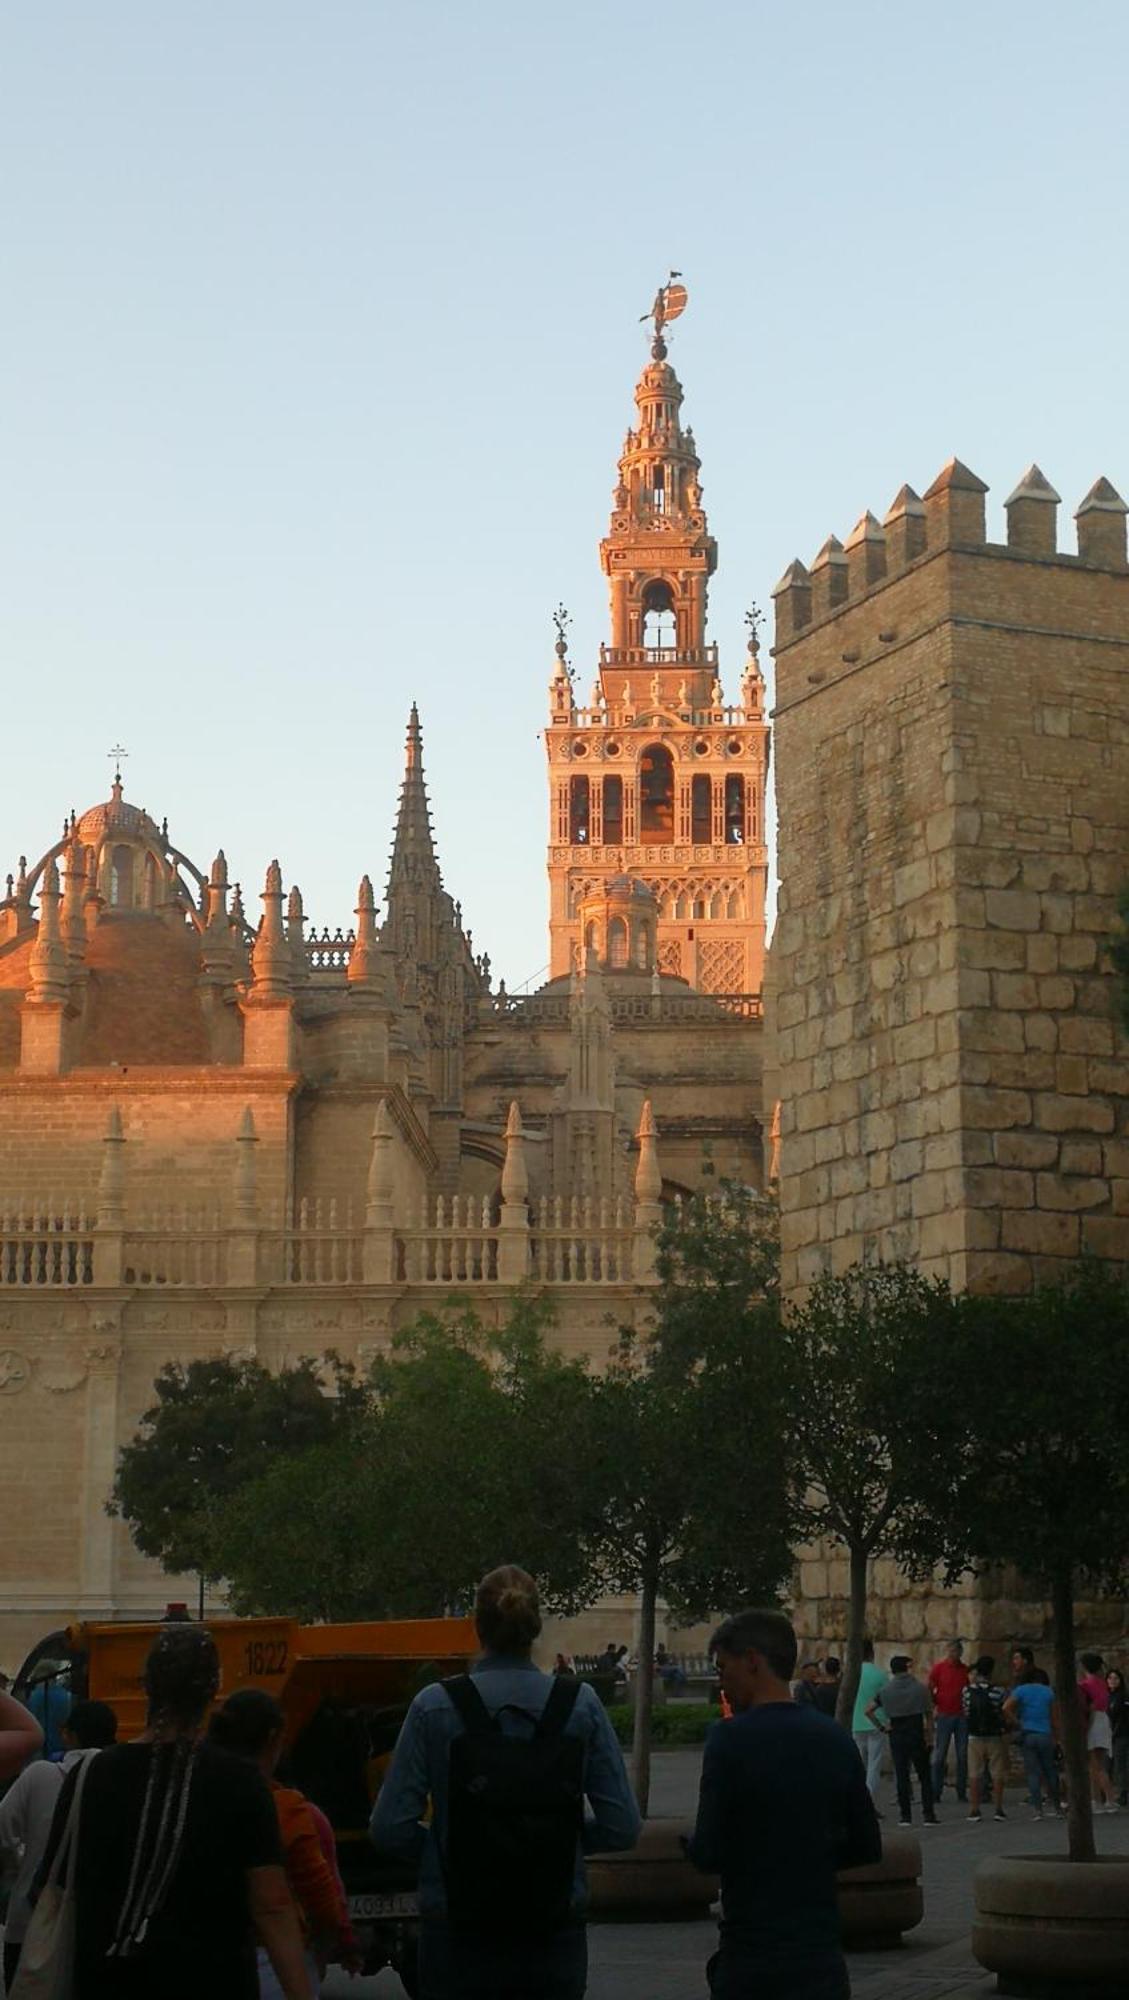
419	1773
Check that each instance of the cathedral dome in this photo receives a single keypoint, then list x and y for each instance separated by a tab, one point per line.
115	816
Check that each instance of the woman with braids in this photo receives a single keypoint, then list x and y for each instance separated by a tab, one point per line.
179	1865
250	1724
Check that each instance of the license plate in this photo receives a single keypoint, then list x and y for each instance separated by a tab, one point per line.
378	1909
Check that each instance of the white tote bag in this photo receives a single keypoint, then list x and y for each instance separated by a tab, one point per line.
46	1967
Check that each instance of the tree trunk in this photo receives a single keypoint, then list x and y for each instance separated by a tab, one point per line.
1079	1817
644	1691
856	1633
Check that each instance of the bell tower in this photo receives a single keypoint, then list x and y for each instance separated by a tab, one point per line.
659	778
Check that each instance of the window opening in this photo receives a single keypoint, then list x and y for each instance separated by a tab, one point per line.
701	809
735	810
656	795
578	812
613	812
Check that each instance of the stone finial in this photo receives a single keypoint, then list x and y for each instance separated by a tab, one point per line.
648	1178
792	602
905	528
1101	526
866	553
954	508
295	936
270	955
218	876
47	964
216	938
1031	515
364	960
111	1179
246	1139
73	926
515	1173
829	579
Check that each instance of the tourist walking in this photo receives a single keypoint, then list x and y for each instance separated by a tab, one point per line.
783	1806
908	1710
1099	1735
868	1735
805	1688
179	1863
1031	1708
1119	1730
20	1735
504	1757
27	1810
948	1679
983	1702
251	1725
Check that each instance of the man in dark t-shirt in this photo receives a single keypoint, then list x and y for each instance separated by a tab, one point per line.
783	1806
199	1945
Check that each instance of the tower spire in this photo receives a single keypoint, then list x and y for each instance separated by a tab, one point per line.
413	847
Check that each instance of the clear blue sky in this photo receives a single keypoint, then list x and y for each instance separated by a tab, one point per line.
319	338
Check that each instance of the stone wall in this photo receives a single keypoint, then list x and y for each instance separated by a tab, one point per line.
952	737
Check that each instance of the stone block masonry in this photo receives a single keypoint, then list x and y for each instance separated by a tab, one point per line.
952	745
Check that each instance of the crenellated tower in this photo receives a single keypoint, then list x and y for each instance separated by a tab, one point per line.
659	778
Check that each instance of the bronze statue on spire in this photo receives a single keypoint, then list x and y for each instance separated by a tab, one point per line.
669	302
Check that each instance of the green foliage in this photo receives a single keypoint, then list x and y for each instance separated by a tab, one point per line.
674	1725
1035	1471
471	1451
216	1426
863	1355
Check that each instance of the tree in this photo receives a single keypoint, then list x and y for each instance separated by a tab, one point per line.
864	1422
216	1425
691	1434
1036	1474
470	1450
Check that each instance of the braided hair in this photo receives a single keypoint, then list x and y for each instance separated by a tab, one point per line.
182	1675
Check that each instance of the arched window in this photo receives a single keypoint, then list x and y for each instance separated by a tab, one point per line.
701	810
613	812
578	812
656	795
589	937
658	614
617	944
121	878
735	810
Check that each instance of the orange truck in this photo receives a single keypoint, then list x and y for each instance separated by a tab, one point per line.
344	1690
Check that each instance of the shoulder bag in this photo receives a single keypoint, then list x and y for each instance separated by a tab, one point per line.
47	1960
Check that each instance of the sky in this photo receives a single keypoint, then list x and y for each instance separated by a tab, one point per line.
319	339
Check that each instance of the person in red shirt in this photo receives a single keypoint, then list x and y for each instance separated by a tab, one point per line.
947	1682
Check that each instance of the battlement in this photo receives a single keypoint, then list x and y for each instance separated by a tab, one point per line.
950	516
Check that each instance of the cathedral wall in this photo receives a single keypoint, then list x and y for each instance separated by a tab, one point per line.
180	1129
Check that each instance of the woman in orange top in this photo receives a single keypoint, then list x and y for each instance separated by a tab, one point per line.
251	1724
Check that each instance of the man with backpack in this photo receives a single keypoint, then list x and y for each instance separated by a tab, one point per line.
505	1757
983	1706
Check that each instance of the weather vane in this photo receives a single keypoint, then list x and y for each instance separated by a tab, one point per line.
754	619
562	621
669	302
117	753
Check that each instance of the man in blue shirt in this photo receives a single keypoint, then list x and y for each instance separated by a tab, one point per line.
783	1806
453	1965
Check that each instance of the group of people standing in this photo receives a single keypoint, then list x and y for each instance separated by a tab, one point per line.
975	1715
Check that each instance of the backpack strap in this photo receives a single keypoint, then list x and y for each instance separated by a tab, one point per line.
469	1706
557	1710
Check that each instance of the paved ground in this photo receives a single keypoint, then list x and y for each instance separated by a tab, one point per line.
666	1961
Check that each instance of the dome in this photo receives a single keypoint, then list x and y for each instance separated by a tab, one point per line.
115	816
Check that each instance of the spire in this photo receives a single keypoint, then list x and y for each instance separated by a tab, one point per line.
413	848
47	963
270	958
363	972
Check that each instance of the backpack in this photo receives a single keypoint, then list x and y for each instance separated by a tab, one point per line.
514	1816
984	1718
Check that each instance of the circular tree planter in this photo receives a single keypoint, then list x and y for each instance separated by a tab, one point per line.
653	1882
879	1903
1053	1929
